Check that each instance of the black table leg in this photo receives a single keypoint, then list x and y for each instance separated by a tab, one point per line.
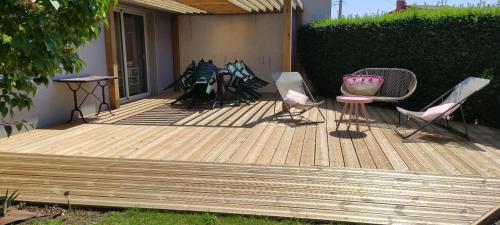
76	108
103	100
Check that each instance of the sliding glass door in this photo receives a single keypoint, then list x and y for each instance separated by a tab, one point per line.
131	54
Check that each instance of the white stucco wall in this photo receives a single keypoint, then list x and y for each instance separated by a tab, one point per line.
164	58
316	10
256	39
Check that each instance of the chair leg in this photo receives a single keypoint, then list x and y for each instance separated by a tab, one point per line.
320	113
274	110
291	116
465	123
365	114
344	109
356	109
399	115
411	134
351	107
399	119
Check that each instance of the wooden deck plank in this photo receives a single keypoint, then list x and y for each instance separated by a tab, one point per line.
271	191
259	145
322	157
203	149
295	150
346	143
309	145
159	133
281	153
256	113
156	147
319	181
248	134
271	146
334	146
296	189
254	135
222	146
425	160
398	144
231	197
374	156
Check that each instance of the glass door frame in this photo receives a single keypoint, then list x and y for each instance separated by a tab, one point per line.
121	11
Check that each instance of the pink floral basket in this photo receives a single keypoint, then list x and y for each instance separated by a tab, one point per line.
365	85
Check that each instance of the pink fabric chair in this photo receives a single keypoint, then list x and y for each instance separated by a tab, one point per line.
450	102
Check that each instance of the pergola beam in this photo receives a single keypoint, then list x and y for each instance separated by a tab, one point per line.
275	4
258	5
168	5
250	5
265	3
287	36
300	4
217	6
241	5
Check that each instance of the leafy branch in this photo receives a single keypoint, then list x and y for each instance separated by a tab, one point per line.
39	39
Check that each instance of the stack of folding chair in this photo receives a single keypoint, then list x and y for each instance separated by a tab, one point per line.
243	82
196	83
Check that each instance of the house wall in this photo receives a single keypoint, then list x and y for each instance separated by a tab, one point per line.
315	10
254	38
164	58
53	103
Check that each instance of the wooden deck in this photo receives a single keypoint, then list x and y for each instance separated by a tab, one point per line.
322	193
240	159
250	134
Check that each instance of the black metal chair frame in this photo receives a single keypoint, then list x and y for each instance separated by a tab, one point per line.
244	87
210	72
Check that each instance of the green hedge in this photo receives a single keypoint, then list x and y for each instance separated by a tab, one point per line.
441	46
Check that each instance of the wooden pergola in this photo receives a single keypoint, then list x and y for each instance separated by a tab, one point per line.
203	7
218	6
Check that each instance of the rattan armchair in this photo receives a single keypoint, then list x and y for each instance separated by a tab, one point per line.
399	84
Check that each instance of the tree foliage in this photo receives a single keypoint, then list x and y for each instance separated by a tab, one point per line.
39	39
442	46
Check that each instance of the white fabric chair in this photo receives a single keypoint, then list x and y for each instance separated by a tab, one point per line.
450	102
286	81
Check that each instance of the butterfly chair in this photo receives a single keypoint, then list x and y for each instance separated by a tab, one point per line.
449	103
286	81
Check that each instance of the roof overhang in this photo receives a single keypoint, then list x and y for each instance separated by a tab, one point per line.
217	6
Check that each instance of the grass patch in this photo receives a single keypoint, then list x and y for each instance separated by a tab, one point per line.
151	217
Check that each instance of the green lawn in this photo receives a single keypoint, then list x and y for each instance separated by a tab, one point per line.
148	217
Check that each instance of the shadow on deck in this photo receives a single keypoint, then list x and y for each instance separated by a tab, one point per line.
241	159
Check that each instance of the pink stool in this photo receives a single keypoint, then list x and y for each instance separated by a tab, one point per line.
353	103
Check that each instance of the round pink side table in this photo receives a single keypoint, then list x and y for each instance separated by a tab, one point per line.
353	103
